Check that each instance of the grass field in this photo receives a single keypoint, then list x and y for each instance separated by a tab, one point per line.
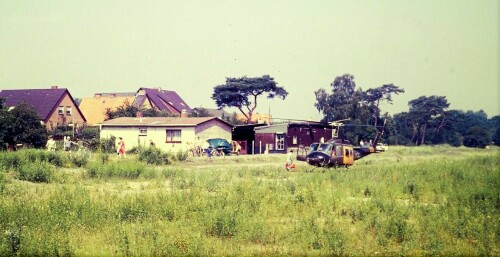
407	201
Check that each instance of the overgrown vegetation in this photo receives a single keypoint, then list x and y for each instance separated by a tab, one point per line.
407	201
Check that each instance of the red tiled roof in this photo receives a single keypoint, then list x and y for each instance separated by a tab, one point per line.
42	100
159	97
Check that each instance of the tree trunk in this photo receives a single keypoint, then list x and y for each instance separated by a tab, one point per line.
423	134
249	118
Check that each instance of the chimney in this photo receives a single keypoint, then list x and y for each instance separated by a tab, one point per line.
184	113
54	87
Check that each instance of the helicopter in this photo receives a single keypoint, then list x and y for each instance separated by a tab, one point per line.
337	152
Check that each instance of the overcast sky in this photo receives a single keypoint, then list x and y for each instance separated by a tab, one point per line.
446	48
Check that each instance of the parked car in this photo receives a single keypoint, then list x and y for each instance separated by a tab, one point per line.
382	147
220	144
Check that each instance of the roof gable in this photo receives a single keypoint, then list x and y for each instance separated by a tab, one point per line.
160	97
44	101
160	121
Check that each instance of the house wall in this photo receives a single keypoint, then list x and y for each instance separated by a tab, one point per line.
269	139
55	118
305	136
133	138
213	129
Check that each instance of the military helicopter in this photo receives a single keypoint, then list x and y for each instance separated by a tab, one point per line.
337	152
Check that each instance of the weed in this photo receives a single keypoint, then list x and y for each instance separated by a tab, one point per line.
36	171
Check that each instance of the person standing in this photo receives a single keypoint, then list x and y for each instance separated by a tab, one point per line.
51	144
289	160
121	148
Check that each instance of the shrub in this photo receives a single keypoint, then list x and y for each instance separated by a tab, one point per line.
37	171
182	155
477	137
153	155
80	159
107	145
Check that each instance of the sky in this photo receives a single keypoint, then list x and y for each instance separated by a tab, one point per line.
428	47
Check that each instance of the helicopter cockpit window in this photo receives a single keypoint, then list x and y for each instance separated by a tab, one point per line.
314	147
324	147
338	150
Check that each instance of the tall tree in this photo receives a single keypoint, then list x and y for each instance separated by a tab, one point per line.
243	93
345	101
422	111
383	93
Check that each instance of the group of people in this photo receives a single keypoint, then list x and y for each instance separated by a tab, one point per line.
67	143
120	149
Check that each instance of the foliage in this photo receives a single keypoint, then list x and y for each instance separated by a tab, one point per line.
393	204
153	155
200	112
89	133
477	137
14	160
36	171
21	125
122	169
243	93
131	110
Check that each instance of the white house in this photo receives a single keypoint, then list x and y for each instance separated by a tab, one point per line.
167	133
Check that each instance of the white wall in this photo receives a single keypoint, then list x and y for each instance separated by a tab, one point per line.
159	135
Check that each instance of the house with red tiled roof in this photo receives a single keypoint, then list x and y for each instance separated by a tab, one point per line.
55	106
94	108
161	100
167	133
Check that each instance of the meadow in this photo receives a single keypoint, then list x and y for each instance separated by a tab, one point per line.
429	200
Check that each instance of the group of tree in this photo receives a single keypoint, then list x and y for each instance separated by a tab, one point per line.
428	120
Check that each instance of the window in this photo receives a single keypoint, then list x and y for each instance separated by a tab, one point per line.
280	142
60	110
68	110
294	140
173	136
143	131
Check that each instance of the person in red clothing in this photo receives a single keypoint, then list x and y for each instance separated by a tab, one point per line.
121	149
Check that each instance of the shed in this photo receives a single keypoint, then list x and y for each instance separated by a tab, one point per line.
280	138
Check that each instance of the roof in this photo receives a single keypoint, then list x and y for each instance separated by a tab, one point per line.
42	100
160	98
277	128
283	127
94	108
160	121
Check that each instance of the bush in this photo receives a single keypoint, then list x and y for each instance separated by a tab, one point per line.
14	160
477	137
80	159
182	155
90	133
153	155
37	171
107	145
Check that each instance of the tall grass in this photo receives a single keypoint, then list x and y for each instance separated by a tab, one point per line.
417	207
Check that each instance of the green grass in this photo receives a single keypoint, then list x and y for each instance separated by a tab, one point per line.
407	201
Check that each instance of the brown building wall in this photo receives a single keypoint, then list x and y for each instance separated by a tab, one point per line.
54	119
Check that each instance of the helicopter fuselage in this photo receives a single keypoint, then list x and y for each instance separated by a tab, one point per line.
335	153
